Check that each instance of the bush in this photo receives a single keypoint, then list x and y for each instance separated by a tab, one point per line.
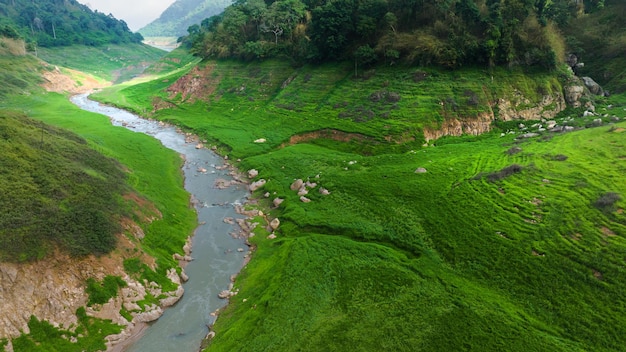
514	150
101	292
607	201
504	173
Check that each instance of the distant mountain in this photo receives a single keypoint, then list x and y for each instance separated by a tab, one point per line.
50	23
175	20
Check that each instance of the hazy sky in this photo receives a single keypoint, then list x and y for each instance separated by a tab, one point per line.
136	13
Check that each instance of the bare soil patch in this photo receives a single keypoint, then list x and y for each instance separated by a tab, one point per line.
70	81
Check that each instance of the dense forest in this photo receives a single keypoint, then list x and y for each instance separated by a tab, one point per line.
448	33
50	23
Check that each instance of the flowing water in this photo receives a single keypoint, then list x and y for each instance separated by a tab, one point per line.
217	255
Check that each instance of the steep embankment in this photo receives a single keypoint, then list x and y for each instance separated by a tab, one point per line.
84	254
510	240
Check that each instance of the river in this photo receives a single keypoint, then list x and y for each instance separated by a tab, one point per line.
217	255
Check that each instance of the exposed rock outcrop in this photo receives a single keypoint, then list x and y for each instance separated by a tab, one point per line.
573	93
456	127
519	108
53	289
548	108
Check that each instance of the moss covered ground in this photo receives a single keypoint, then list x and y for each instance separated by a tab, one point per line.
502	244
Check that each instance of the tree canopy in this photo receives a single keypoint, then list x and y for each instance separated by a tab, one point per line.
448	33
50	23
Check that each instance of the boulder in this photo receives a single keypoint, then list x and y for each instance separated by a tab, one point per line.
297	184
274	223
324	191
256	185
304	199
421	170
529	135
593	87
278	201
252	173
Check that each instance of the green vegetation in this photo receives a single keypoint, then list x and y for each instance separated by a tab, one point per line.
113	63
159	179
101	292
88	335
485	243
499	245
173	61
182	14
49	23
452	34
275	101
57	191
16	78
599	41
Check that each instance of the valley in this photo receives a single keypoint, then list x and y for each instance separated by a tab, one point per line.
371	195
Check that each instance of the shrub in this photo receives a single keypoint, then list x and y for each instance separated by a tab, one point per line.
607	201
514	150
504	173
101	292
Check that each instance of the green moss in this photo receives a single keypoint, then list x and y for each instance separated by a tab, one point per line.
101	292
87	336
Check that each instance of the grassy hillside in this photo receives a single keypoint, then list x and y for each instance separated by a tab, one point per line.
61	189
16	76
272	100
113	63
501	244
57	191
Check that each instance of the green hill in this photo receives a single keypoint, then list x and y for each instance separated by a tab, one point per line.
494	242
509	237
49	23
182	14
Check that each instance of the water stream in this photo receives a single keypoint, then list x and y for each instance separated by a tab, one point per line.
217	255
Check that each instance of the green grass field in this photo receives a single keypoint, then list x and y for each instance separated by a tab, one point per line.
503	244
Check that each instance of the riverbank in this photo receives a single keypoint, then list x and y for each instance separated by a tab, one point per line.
214	250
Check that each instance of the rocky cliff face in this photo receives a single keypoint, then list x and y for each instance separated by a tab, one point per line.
457	127
53	289
517	107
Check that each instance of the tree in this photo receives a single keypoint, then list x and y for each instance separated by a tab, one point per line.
282	16
332	27
364	55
